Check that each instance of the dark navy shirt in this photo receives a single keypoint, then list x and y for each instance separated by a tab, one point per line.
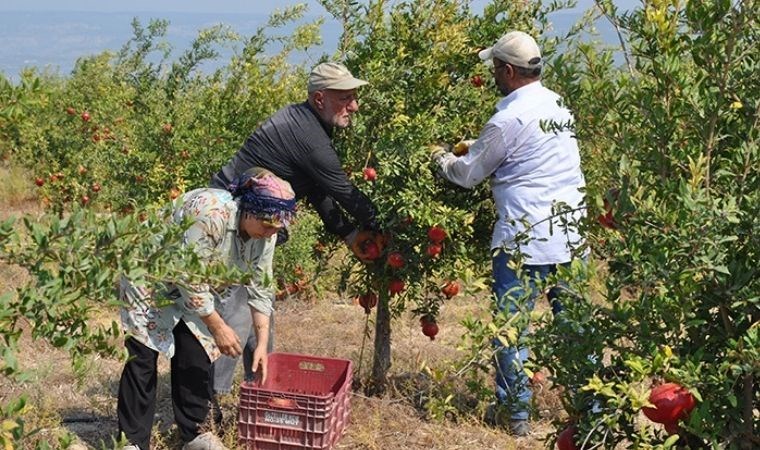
297	147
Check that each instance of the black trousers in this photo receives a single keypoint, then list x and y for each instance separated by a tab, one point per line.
191	383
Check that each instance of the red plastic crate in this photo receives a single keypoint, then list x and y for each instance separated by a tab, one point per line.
303	404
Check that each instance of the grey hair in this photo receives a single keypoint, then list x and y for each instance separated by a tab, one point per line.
528	73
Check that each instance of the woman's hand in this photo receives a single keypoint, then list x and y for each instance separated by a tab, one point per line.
261	328
260	362
224	336
227	340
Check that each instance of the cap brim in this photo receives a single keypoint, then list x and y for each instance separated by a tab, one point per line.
486	55
346	85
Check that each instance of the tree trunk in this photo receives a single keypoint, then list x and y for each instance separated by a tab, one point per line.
748	395
382	359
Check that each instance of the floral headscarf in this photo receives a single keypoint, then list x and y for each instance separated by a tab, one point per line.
266	196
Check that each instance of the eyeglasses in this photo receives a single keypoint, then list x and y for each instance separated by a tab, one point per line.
343	97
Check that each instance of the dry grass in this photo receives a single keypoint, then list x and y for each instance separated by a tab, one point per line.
331	326
16	190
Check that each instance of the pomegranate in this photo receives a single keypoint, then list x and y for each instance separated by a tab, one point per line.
672	402
671	428
565	439
368	301
434	250
370	249
396	287
450	289
370	174
396	260
430	329
437	234
607	220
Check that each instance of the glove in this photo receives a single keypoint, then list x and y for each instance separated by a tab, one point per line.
438	150
366	245
462	147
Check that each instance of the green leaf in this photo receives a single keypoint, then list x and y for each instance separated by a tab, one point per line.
671	441
721	269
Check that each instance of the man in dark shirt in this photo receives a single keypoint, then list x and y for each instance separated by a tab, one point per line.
296	145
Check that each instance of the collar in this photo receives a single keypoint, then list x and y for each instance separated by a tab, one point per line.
525	91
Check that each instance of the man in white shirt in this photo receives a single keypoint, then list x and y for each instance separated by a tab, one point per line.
533	162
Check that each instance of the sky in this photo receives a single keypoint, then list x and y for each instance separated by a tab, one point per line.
185	6
55	33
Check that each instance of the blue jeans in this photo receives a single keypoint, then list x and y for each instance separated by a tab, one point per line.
512	387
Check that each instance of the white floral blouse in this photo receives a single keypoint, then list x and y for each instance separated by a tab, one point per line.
214	234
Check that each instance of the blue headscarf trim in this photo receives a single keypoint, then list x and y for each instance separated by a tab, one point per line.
268	208
264	195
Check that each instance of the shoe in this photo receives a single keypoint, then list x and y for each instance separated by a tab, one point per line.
519	427
498	416
205	441
494	416
130	447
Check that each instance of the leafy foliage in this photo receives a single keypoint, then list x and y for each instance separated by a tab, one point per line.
668	128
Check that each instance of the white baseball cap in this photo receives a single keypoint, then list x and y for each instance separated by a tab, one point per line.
332	75
516	48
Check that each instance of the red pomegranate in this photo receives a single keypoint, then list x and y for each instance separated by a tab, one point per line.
671	428
370	174
371	250
368	301
396	260
396	287
430	329
565	439
672	402
450	289
437	234
434	250
607	220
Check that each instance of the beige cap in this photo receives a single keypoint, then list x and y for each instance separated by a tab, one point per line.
331	75
516	48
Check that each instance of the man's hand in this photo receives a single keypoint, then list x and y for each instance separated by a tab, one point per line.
438	150
260	362
366	245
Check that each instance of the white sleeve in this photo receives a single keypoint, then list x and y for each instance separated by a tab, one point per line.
482	160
